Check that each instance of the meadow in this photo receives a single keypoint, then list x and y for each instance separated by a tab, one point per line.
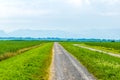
30	65
32	59
113	45
102	66
12	48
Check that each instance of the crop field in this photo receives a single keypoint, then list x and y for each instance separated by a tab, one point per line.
102	66
30	65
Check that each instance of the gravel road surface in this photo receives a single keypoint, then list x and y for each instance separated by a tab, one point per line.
66	67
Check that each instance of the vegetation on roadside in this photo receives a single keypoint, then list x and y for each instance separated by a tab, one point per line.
102	66
105	49
12	48
31	65
112	45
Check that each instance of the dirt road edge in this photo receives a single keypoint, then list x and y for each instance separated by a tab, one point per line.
52	66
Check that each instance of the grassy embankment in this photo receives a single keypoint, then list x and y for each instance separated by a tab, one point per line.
12	48
113	47
31	65
102	66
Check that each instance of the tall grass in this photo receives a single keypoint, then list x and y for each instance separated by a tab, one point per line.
102	66
32	65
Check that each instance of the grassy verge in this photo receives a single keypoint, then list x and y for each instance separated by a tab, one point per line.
102	66
111	50
13	46
32	65
113	47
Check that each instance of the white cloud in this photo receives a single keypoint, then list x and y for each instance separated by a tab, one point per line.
10	9
105	7
11	12
75	3
78	3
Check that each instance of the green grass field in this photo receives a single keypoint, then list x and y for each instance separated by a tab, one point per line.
34	63
13	46
102	66
31	65
112	45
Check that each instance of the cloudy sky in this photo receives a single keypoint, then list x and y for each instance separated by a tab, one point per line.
86	17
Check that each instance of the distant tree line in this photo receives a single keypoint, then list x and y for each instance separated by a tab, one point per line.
60	39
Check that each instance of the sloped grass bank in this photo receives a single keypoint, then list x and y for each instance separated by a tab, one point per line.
114	45
13	46
102	66
31	65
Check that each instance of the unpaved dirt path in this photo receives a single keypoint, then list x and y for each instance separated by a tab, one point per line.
66	67
101	51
